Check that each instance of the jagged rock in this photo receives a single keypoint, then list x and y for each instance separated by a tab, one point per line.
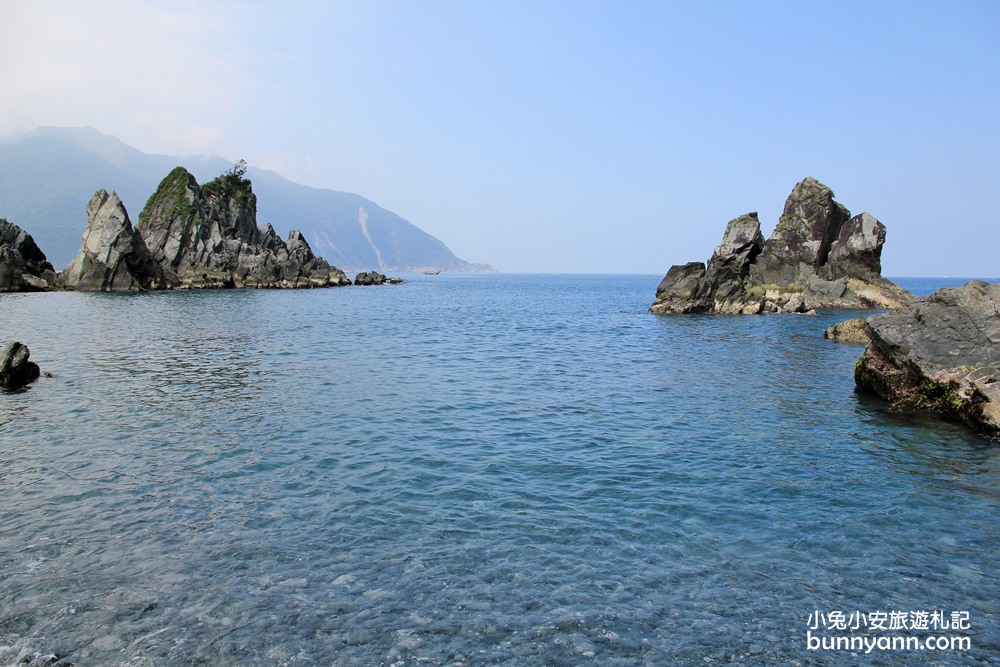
370	278
801	242
851	331
940	354
857	251
740	245
817	257
207	236
15	368
23	267
695	288
683	290
112	257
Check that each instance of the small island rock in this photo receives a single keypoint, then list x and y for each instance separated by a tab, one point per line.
817	257
370	278
15	368
940	354
851	331
208	236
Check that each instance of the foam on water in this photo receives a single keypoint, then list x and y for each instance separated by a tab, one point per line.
467	470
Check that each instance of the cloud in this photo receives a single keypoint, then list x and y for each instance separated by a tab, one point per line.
301	168
176	131
172	74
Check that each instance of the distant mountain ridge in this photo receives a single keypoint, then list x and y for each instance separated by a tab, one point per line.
48	175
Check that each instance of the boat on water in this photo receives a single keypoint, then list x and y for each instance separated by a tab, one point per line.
431	272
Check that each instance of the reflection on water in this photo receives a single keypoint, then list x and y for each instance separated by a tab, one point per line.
466	470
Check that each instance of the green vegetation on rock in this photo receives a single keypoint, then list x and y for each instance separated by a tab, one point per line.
173	188
232	184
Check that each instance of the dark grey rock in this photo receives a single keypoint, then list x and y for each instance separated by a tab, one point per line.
697	288
857	250
683	290
939	354
370	278
731	261
817	257
808	226
23	267
15	368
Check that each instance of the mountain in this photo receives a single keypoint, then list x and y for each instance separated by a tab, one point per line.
48	175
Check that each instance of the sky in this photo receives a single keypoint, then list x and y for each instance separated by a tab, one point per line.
563	136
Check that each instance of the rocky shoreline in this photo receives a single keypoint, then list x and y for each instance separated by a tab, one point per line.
817	257
189	236
939	354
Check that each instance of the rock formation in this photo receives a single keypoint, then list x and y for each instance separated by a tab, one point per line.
15	368
192	236
113	257
208	237
852	331
23	267
370	278
817	257
940	353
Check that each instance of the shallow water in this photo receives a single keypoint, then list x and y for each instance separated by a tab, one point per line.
473	470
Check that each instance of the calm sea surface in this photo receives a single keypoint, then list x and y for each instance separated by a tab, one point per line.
471	469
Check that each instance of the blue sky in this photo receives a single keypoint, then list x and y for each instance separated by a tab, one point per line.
554	136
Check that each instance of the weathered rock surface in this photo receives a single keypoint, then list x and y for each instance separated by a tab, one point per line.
370	278
15	368
208	237
939	354
23	267
852	331
113	257
192	236
817	257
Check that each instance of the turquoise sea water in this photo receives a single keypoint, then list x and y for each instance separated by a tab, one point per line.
470	469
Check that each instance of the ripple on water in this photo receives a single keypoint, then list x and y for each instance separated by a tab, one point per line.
469	469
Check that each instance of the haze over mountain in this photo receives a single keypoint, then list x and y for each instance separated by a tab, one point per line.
48	175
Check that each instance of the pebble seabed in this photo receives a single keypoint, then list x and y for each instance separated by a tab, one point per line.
463	470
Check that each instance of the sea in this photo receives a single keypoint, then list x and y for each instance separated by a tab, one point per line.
470	469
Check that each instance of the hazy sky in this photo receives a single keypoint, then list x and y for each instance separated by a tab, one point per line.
554	136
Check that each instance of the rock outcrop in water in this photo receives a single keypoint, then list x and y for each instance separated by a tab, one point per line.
817	257
851	331
23	267
208	237
15	368
939	354
113	257
192	236
370	278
